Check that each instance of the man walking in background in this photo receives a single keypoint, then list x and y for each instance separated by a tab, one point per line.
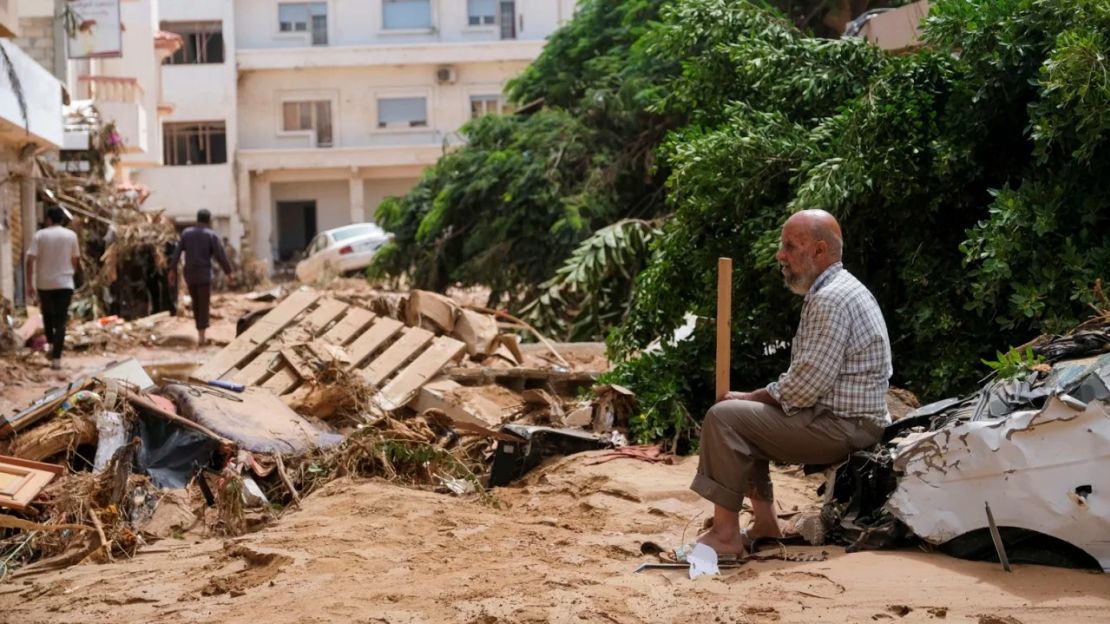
200	245
55	250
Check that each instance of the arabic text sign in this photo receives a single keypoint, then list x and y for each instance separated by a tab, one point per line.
97	29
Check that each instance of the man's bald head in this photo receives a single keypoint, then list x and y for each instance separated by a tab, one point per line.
822	226
811	243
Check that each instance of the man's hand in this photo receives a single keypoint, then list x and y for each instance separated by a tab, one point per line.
171	277
759	396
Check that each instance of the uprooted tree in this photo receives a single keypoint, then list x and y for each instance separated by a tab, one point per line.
969	177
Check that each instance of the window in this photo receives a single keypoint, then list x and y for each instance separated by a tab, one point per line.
306	17
308	116
203	42
410	112
488	104
194	143
406	14
481	12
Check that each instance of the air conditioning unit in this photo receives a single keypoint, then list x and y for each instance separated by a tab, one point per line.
445	75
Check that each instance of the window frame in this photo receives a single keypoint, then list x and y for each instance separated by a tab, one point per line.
305	35
488	91
313	98
402	95
491	25
433	19
173	131
195	28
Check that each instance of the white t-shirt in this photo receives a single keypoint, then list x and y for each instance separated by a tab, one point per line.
54	249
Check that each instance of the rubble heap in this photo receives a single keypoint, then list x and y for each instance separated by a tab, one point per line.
409	387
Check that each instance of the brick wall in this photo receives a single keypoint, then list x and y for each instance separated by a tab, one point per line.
37	40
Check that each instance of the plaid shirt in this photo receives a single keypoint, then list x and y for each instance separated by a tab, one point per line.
840	355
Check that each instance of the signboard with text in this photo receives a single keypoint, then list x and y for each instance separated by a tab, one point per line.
95	29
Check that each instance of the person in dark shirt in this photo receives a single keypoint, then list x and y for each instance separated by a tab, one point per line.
200	245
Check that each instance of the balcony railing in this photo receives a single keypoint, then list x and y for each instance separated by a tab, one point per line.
109	89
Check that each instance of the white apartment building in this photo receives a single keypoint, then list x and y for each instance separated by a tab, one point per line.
288	118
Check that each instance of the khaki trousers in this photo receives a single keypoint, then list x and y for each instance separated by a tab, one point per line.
739	438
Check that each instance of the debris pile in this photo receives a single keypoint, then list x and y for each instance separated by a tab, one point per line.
411	388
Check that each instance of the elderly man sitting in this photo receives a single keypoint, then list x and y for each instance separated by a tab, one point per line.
830	402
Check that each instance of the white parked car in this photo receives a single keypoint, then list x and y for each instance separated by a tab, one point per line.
342	250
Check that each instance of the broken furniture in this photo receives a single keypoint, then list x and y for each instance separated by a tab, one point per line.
289	345
21	480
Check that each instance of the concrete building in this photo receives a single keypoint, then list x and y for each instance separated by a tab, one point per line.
288	118
293	117
30	125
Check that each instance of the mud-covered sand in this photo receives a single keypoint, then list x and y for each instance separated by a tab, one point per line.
560	547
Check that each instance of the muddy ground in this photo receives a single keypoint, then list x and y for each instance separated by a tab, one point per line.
559	547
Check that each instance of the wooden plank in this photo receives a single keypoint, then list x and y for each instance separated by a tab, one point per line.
404	386
282	381
256	335
297	363
328	310
258	369
724	326
488	375
382	330
357	320
412	341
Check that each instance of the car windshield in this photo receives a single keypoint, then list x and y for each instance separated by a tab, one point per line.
362	229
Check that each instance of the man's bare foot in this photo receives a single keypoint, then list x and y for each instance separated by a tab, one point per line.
724	545
765	530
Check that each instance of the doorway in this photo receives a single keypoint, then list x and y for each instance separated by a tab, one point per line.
296	226
508	19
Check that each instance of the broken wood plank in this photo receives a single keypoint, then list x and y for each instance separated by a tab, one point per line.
328	310
250	341
54	437
412	341
350	326
282	381
487	375
297	363
404	386
382	330
266	362
42	407
263	364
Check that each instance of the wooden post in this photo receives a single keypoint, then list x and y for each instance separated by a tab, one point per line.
724	324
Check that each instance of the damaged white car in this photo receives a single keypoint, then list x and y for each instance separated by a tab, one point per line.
1034	450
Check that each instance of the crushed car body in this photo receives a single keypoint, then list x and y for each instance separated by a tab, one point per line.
1034	448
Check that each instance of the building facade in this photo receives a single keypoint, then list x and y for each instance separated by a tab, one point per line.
30	125
288	118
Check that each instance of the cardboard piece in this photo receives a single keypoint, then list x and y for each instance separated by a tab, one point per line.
431	310
478	331
450	398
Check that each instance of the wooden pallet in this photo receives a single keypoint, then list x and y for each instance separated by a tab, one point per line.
282	349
